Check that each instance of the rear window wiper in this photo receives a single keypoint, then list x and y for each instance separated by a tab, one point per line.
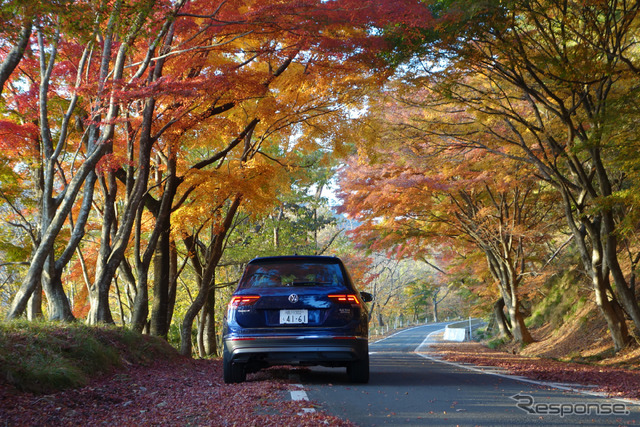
309	283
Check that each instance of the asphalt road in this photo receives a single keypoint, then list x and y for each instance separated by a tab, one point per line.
411	389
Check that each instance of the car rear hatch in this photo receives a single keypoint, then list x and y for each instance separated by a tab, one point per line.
298	307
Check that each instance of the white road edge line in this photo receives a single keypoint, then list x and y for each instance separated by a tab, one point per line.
514	377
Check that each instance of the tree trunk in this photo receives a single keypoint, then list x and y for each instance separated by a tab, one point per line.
200	332
625	292
380	319
160	309
207	345
435	308
501	319
609	238
125	273
34	307
141	303
187	322
116	286
113	254
100	311
508	284
209	325
160	317
173	282
13	58
58	306
592	258
520	331
207	276
609	308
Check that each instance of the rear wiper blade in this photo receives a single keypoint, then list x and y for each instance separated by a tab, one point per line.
309	283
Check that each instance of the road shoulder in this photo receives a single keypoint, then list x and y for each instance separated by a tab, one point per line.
619	383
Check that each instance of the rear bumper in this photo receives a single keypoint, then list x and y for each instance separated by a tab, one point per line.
297	350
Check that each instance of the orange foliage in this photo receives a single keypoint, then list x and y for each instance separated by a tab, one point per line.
81	304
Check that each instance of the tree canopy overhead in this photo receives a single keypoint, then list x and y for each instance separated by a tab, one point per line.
130	125
138	139
551	86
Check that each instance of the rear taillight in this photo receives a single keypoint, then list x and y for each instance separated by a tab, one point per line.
243	300
344	298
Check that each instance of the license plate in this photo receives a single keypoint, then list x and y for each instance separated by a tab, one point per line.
294	317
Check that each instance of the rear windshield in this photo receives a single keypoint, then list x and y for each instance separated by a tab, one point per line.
291	274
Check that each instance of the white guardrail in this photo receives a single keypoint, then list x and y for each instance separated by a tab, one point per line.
461	331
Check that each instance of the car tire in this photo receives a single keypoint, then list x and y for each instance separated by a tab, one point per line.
358	371
232	372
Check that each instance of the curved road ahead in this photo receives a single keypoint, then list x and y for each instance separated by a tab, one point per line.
412	389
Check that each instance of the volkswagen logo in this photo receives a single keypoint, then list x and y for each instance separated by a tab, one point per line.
293	298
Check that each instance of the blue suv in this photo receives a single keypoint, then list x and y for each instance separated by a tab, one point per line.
296	310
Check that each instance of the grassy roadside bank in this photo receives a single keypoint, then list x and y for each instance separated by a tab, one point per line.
43	357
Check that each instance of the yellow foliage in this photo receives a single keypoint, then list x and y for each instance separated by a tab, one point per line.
256	181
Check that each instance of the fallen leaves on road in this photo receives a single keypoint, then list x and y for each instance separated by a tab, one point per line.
613	381
180	392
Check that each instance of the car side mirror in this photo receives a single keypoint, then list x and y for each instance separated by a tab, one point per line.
366	296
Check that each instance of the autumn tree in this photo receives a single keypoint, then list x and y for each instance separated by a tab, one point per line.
418	199
387	278
424	295
550	84
122	89
265	64
48	92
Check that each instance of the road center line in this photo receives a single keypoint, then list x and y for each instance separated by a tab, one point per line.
300	394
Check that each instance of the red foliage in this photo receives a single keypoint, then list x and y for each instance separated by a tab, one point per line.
613	381
178	392
111	162
18	139
359	267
